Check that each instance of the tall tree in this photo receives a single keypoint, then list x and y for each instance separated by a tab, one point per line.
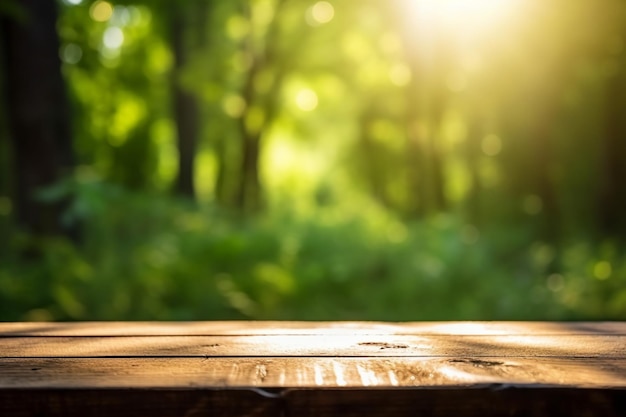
612	181
261	105
372	157
426	103
4	146
38	113
185	103
472	160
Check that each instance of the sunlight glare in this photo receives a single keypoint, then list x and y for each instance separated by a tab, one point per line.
460	16
464	328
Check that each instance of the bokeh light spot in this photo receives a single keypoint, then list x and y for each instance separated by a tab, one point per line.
237	27
121	16
101	11
555	282
320	13
491	145
113	37
71	53
602	270
306	99
234	105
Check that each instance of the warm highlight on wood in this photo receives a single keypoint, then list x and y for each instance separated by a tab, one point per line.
313	368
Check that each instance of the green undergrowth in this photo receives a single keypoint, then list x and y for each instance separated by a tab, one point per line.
147	257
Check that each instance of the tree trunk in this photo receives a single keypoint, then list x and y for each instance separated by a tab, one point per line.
426	103
437	175
249	194
223	196
186	108
373	165
472	157
439	96
426	160
543	165
249	190
612	182
249	186
417	198
5	159
38	114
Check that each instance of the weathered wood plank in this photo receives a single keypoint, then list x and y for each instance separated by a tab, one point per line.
609	346
234	328
318	373
312	369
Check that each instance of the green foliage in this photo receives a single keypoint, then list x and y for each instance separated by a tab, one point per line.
149	257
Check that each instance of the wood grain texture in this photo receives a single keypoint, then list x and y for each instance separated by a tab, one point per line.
317	373
313	369
316	345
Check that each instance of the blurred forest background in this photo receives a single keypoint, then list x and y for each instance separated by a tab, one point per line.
302	159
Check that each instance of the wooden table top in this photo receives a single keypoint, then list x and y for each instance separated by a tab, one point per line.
265	368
